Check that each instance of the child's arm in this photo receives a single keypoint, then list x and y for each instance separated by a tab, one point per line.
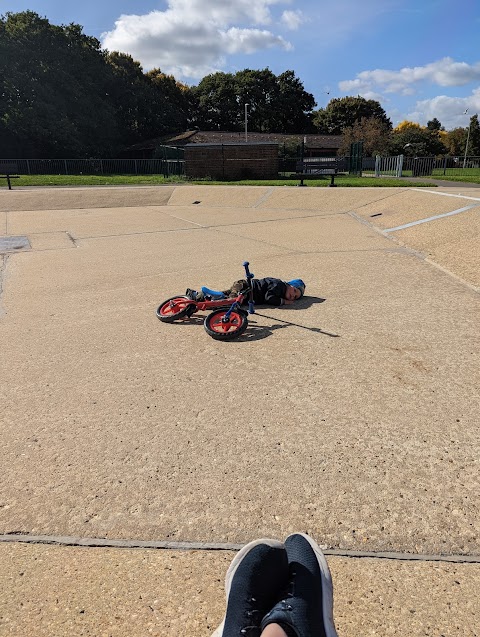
275	292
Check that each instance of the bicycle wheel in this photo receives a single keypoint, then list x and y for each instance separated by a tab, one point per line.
225	330
174	308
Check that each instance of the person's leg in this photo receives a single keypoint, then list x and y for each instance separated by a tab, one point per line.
236	288
273	630
231	293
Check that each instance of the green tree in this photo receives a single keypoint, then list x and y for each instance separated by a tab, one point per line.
454	140
295	105
343	112
375	134
61	95
218	103
409	138
276	103
474	139
131	94
434	125
173	101
259	90
53	79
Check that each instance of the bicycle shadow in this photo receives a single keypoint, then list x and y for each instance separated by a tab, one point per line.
258	332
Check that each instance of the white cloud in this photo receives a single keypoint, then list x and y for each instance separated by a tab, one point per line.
444	72
192	37
292	19
449	110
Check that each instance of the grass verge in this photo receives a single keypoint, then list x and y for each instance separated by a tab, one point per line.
139	180
93	180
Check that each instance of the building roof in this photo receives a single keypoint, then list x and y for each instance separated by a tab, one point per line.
332	142
225	137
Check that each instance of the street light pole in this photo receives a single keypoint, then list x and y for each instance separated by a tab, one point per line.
466	146
246	120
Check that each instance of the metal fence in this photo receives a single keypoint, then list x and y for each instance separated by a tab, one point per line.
288	165
165	167
399	165
402	166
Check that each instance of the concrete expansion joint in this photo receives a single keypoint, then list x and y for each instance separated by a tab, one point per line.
219	546
72	239
3	269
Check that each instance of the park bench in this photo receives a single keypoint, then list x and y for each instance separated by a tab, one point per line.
7	171
308	168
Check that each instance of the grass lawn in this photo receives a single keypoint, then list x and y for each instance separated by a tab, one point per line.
132	180
472	179
92	180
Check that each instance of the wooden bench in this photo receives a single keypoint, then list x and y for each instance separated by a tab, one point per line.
7	171
316	166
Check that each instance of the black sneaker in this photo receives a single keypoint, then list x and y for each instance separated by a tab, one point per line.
192	294
307	609
253	583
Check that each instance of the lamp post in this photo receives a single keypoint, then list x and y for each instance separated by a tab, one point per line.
246	124
468	138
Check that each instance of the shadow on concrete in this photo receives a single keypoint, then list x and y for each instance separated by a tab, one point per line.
257	332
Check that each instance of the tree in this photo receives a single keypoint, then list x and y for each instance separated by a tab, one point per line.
52	80
344	112
218	106
276	103
409	138
474	139
259	89
375	134
172	101
294	107
435	125
61	95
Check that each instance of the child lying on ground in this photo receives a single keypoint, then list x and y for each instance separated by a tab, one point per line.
268	291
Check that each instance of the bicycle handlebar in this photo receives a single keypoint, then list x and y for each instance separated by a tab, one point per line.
247	271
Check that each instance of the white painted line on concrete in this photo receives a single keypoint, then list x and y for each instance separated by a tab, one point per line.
446	194
215	546
264	198
169	214
446	214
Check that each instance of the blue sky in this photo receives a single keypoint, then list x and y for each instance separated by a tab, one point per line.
420	59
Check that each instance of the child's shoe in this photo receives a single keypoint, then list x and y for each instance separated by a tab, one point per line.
253	583
307	609
192	294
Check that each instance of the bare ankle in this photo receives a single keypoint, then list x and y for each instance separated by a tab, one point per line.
273	630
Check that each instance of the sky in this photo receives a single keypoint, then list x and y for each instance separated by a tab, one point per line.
419	58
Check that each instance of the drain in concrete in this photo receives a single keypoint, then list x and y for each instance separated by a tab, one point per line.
14	244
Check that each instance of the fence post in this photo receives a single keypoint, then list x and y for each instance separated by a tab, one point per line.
101	166
399	165
65	164
28	167
378	161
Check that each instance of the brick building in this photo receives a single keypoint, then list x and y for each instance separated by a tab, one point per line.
232	161
315	145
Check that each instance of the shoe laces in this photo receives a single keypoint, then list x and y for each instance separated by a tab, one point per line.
290	592
251	615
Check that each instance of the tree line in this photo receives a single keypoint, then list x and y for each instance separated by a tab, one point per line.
63	96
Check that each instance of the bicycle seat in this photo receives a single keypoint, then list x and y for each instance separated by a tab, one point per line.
215	294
